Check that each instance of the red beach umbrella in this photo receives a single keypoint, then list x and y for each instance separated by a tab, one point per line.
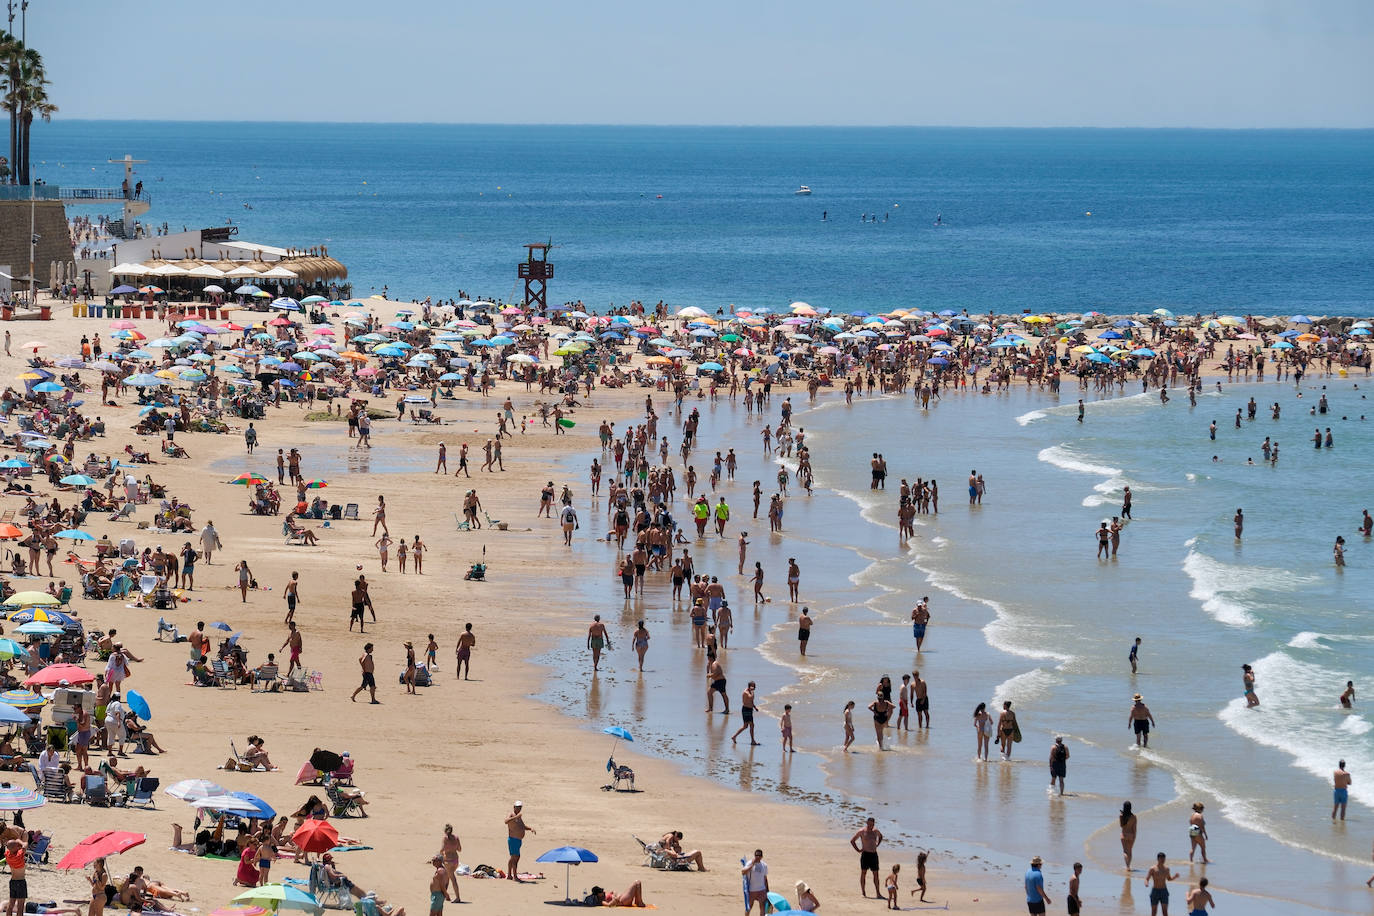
104	843
316	836
53	675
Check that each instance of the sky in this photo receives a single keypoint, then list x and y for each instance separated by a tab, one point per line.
1007	63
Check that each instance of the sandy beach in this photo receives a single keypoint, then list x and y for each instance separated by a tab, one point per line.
462	751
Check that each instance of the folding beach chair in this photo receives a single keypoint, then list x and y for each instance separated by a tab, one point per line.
655	856
463	524
343	806
37	853
97	793
351	511
332	895
55	788
223	676
142	794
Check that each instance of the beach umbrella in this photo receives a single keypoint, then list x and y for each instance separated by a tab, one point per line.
11	715
316	484
75	534
227	803
10	532
14	464
9	649
17	798
325	761
22	699
568	856
619	733
263	809
123	290
24	615
281	896
143	380
30	599
251	479
195	789
78	480
53	675
48	388
316	836
778	902
38	628
99	845
139	704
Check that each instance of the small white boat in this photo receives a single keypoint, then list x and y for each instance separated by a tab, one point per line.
802	191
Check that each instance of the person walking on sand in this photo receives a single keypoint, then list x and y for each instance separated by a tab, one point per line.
516	828
379	516
597	639
291	594
1199	899
1157	880
293	640
1341	779
1036	898
866	842
369	668
891	886
466	642
1197	833
1248	682
245	578
383	545
442	465
746	711
209	541
1141	719
785	727
449	849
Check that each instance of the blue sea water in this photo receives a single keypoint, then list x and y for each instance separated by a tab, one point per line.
1267	222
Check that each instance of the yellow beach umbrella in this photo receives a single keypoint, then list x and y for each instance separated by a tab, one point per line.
31	599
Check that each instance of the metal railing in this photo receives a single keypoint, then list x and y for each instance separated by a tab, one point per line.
53	192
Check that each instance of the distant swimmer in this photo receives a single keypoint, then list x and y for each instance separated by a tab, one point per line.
825	215
1367	524
1239	521
1338	551
939	219
1348	695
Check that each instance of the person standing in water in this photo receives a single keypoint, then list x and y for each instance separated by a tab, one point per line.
1134	656
1239	522
1340	795
1348	696
1199	898
1248	681
597	638
1197	833
1140	719
1157	880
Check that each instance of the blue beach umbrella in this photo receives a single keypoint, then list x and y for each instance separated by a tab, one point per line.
263	809
619	733
568	856
14	464
75	534
138	704
1299	319
48	388
10	649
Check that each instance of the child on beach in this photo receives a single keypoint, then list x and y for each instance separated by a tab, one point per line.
786	724
921	875
891	885
848	724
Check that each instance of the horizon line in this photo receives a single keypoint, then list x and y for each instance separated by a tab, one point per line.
719	126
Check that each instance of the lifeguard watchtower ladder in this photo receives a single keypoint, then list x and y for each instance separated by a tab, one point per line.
537	270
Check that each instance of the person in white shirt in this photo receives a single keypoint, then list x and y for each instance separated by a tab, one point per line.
756	875
49	760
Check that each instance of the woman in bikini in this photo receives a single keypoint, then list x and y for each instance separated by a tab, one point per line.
1006	729
641	642
99	880
450	846
881	709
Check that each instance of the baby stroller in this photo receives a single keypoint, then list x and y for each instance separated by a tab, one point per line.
619	774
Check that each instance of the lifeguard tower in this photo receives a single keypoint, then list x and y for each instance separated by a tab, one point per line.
537	270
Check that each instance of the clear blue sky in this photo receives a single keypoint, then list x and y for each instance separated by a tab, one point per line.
1107	63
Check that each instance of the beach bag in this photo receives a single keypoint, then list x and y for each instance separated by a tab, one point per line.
988	727
1016	732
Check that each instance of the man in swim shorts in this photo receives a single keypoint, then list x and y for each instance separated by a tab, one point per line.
920	616
1341	793
516	828
1072	901
866	843
1140	718
438	887
1157	880
746	711
715	680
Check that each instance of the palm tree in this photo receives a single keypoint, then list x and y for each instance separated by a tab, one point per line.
11	50
37	104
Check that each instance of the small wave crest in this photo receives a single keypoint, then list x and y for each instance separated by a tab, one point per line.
1061	456
1026	419
1222	588
1024	688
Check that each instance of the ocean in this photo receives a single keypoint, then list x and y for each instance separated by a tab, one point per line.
1264	222
1022	610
